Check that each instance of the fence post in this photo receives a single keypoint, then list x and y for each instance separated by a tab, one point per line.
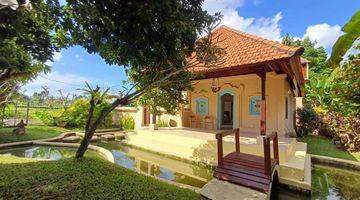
27	112
15	116
3	115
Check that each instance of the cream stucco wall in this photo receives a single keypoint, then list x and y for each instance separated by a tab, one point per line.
137	114
277	88
243	87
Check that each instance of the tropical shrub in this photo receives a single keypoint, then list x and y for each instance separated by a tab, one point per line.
127	122
345	131
307	121
76	114
46	117
162	123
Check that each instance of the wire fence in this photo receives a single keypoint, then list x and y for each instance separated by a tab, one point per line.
13	112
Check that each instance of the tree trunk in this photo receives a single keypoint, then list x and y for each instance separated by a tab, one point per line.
93	126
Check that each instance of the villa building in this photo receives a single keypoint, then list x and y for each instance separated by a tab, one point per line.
256	88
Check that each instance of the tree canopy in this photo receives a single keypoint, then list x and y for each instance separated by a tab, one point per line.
315	55
152	40
26	42
332	85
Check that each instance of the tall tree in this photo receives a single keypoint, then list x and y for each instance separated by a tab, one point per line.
332	85
155	41
316	55
26	42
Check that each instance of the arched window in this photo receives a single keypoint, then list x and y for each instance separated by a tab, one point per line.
202	106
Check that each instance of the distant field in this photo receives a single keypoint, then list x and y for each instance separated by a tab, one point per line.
13	114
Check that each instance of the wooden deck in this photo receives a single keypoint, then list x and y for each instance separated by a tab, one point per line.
246	169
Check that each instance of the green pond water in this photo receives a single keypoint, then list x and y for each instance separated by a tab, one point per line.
46	152
327	182
334	183
158	165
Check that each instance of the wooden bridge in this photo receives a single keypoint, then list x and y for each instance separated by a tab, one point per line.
247	170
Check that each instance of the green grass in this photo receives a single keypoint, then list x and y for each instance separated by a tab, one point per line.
88	178
320	145
33	132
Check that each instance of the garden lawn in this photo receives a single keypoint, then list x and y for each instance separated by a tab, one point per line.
89	178
320	145
33	132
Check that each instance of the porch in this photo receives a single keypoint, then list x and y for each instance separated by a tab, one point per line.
200	145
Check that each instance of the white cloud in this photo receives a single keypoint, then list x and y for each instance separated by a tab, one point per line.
325	34
56	58
213	6
67	82
267	27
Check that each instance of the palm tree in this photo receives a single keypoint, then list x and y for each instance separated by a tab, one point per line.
346	41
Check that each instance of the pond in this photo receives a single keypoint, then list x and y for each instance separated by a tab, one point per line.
334	183
45	152
158	165
328	182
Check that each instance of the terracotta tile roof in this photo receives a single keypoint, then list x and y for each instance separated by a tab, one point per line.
245	49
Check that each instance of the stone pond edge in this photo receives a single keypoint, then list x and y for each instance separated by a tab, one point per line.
51	142
335	162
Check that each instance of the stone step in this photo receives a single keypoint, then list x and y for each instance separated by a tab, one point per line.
294	168
296	172
71	139
107	137
307	174
223	190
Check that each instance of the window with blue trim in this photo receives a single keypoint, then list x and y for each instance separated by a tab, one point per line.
202	106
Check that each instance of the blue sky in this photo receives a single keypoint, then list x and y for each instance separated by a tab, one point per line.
321	20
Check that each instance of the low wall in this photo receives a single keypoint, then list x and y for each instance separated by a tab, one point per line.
335	162
51	142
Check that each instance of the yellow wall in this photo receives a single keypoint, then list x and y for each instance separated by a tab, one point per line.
249	85
137	114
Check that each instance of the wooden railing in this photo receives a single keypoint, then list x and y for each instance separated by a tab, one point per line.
267	152
219	136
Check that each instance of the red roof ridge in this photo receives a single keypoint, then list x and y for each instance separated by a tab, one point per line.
281	47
